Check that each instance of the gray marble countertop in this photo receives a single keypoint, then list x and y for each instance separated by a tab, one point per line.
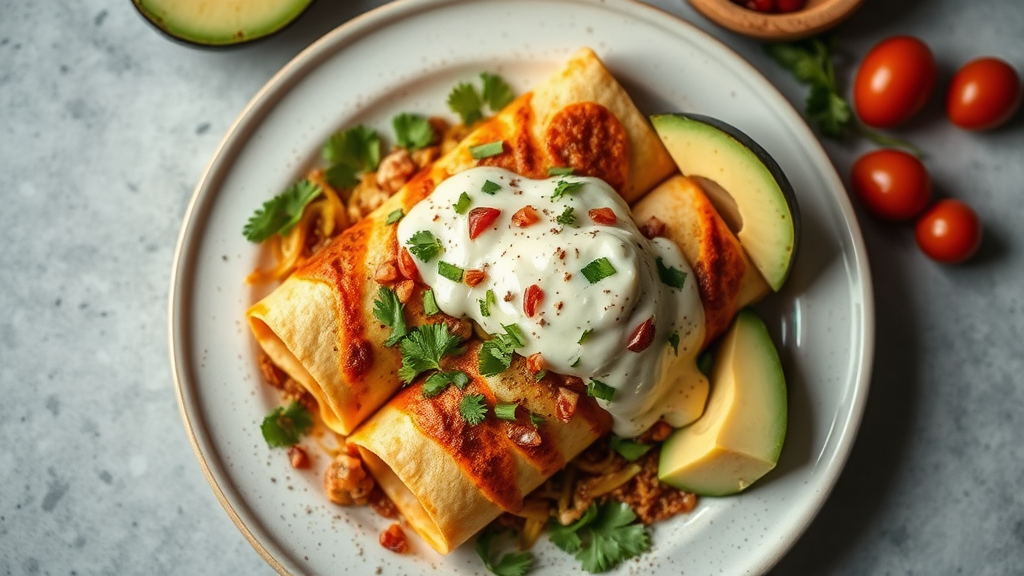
105	128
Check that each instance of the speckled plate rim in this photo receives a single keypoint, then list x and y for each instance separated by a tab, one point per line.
844	424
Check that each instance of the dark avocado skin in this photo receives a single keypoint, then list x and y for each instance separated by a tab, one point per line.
773	168
154	21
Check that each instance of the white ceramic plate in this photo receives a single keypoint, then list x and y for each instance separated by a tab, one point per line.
405	57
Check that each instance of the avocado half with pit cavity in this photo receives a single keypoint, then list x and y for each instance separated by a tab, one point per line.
220	22
739	437
761	203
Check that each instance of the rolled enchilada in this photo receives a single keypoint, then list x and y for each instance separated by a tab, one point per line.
318	325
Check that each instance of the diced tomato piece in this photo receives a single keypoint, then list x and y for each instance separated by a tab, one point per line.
394	539
535	362
565	404
473	277
602	216
642	337
406	265
480	219
298	457
525	216
532	299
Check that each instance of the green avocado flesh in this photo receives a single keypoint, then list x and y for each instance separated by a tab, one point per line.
739	437
711	149
220	22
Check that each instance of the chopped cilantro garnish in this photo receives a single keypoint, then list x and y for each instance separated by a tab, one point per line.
413	131
449	271
605	536
465	101
598	389
565	187
559	171
430	303
506	411
395	216
423	347
485	303
510	564
463	204
388	309
706	362
673	341
567	217
281	213
439	381
576	362
350	152
540	375
286	425
473	408
598	270
669	275
583	337
497	92
496	353
629	449
490	187
481	151
424	245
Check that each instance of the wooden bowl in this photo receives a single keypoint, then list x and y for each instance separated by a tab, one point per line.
817	16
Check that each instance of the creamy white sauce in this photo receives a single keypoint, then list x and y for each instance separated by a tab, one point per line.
650	384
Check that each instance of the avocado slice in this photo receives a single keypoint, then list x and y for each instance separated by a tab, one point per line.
739	437
220	22
760	201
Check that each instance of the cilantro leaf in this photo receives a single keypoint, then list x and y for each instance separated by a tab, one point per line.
670	275
439	381
465	101
598	389
497	92
424	245
598	270
496	353
629	449
566	537
281	213
673	340
564	187
473	408
506	411
613	538
511	564
430	303
286	425
423	347
486	150
490	187
485	303
583	337
413	131
567	217
350	152
449	271
395	216
463	204
388	309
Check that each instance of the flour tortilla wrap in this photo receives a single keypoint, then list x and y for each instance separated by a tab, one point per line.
726	278
449	478
318	325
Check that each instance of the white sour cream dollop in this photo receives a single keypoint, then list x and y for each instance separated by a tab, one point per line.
657	382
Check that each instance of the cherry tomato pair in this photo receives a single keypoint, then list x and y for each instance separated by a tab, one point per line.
895	185
898	75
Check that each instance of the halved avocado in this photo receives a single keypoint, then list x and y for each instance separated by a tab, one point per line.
220	22
763	203
739	437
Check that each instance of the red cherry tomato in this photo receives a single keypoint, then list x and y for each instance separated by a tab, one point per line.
480	219
949	232
894	81
891	183
984	93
